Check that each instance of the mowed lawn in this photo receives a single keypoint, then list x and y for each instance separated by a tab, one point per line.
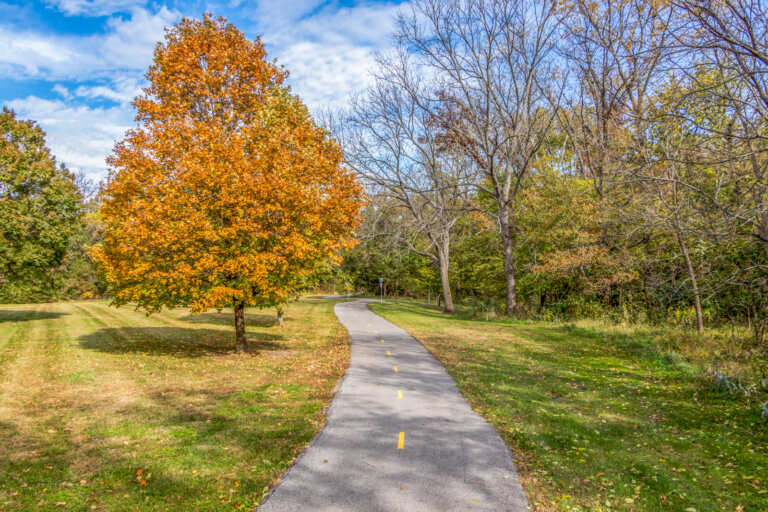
108	409
598	419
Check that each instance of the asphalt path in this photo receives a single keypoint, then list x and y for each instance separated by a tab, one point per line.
399	436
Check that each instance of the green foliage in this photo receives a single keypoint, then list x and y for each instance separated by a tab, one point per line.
404	273
79	275
40	210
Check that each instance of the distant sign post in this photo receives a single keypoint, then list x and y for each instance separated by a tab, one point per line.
381	289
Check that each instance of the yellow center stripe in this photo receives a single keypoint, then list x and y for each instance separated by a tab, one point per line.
395	369
401	441
389	353
400	394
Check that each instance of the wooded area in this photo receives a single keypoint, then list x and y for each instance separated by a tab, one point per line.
576	159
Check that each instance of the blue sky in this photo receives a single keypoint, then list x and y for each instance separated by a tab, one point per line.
75	65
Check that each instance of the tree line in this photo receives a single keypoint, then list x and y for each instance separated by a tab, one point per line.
576	158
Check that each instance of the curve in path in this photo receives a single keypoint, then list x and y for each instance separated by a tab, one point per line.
399	436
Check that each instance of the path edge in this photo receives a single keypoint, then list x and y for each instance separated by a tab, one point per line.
337	390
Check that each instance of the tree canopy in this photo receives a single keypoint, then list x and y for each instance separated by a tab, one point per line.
227	193
40	207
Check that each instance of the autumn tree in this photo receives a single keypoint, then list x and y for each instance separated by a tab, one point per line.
227	193
40	208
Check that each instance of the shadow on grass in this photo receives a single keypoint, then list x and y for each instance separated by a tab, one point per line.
173	341
26	315
228	319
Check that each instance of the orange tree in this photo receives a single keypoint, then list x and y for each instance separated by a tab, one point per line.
227	193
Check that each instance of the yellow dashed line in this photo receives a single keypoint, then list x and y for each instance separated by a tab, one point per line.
389	353
399	394
401	441
395	369
382	341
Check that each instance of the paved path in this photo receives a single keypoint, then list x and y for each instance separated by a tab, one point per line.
399	437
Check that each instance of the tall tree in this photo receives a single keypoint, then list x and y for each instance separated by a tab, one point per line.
390	139
495	64
657	200
40	208
227	193
617	52
730	39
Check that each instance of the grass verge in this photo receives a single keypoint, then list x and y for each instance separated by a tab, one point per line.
105	409
599	419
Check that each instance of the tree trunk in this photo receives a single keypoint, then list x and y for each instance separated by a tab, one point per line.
443	262
280	316
446	285
241	344
509	261
694	284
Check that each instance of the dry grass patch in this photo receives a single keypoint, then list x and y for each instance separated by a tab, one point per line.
104	409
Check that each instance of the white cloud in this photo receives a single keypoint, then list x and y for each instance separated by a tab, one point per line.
128	44
79	136
94	7
328	49
124	90
62	91
24	55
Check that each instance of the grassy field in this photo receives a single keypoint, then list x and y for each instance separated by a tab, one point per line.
598	418
105	409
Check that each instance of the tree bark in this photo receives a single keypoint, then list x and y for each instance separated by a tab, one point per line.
280	316
509	261
241	344
443	264
446	285
694	284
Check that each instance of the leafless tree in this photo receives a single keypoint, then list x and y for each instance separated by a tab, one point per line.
617	53
656	202
729	39
388	137
494	65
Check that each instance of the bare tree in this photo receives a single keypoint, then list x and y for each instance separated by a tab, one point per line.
493	62
657	202
729	39
617	52
388	137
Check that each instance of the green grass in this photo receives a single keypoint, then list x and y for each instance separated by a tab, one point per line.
598	418
108	409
